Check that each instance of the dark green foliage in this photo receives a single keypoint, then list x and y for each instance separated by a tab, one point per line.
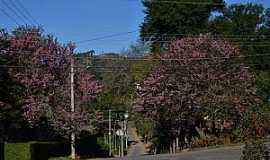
238	19
113	72
253	150
90	146
145	127
45	150
247	26
10	92
103	146
165	21
3	39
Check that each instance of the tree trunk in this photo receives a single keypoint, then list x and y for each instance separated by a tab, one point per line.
73	152
171	150
173	146
177	143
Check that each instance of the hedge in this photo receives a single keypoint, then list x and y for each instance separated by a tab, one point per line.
18	151
35	150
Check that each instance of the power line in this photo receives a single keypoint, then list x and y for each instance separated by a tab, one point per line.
196	35
175	59
171	59
229	37
236	44
186	3
189	35
105	37
13	11
10	17
20	12
27	12
128	70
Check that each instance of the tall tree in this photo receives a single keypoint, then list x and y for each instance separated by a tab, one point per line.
165	20
238	19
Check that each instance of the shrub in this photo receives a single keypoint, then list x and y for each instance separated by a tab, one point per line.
91	146
101	143
46	150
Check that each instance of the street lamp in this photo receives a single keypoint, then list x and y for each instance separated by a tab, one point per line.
126	115
126	121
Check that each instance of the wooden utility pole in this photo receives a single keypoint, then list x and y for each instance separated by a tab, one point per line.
72	105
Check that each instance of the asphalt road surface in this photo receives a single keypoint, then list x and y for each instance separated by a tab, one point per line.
226	153
137	152
137	149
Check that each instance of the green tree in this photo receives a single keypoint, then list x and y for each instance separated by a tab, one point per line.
10	92
238	19
165	20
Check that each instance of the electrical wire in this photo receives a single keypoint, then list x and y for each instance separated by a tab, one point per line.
155	59
10	17
13	11
106	37
27	12
186	3
185	35
20	12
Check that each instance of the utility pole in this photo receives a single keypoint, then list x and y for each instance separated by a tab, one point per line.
110	138
114	137
122	138
125	134
73	154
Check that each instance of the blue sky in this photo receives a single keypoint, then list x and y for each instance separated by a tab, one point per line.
79	20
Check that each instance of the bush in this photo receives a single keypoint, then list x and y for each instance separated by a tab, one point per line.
91	146
253	150
101	143
46	150
210	141
35	150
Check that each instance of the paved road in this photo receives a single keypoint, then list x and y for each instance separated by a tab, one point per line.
137	149
227	153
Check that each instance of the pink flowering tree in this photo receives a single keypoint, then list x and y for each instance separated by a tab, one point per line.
199	80
43	67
